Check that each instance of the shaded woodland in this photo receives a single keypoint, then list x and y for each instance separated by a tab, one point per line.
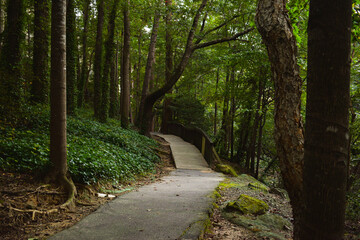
279	100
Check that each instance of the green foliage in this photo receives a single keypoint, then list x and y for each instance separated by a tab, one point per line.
95	151
189	111
353	203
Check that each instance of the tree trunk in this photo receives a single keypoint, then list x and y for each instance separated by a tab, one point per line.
327	119
58	99
40	82
149	66
216	106
275	28
109	55
2	21
98	59
114	85
125	70
82	80
71	52
168	41
10	70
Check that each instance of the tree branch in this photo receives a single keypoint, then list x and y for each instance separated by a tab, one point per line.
228	39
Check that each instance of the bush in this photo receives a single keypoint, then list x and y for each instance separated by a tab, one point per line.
96	151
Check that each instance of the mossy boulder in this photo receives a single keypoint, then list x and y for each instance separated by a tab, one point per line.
226	169
248	205
258	186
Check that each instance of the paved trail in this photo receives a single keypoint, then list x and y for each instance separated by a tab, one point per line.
173	208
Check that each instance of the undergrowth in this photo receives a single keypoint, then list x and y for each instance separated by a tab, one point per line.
96	151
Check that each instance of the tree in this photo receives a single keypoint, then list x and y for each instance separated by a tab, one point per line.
40	82
109	55
58	100
327	119
2	6
190	47
149	68
275	28
84	64
98	59
10	70
125	70
71	52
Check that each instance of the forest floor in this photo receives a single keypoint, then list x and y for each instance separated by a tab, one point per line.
25	203
29	209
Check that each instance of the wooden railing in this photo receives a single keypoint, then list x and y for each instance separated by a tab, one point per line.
197	137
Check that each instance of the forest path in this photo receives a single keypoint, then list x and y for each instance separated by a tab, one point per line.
174	208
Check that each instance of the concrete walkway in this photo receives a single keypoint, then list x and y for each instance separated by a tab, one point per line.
174	208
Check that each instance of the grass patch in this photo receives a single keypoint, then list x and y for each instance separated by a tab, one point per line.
96	151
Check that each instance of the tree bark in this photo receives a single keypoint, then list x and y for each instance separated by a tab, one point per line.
83	75
2	21
58	98
114	86
216	106
275	28
327	119
40	82
109	55
125	70
71	52
98	59
149	67
10	70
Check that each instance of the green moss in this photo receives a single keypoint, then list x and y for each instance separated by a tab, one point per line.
226	169
259	186
248	205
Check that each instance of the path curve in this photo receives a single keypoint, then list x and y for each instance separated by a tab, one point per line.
174	208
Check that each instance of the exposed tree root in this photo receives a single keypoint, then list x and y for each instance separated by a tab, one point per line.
34	212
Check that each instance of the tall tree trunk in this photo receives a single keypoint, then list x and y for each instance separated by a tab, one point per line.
216	106
10	70
327	119
2	21
125	70
114	85
98	59
275	28
224	140
71	52
137	89
109	55
58	98
81	82
149	66
168	41
40	82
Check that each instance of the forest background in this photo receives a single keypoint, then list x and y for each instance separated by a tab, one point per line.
126	60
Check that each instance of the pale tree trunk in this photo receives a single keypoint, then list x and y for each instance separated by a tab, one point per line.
149	67
98	59
40	83
125	70
58	99
327	119
275	28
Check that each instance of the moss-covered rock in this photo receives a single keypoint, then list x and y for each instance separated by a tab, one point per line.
248	205
265	226
226	169
259	186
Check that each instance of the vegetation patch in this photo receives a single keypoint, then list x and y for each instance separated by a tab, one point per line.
96	151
